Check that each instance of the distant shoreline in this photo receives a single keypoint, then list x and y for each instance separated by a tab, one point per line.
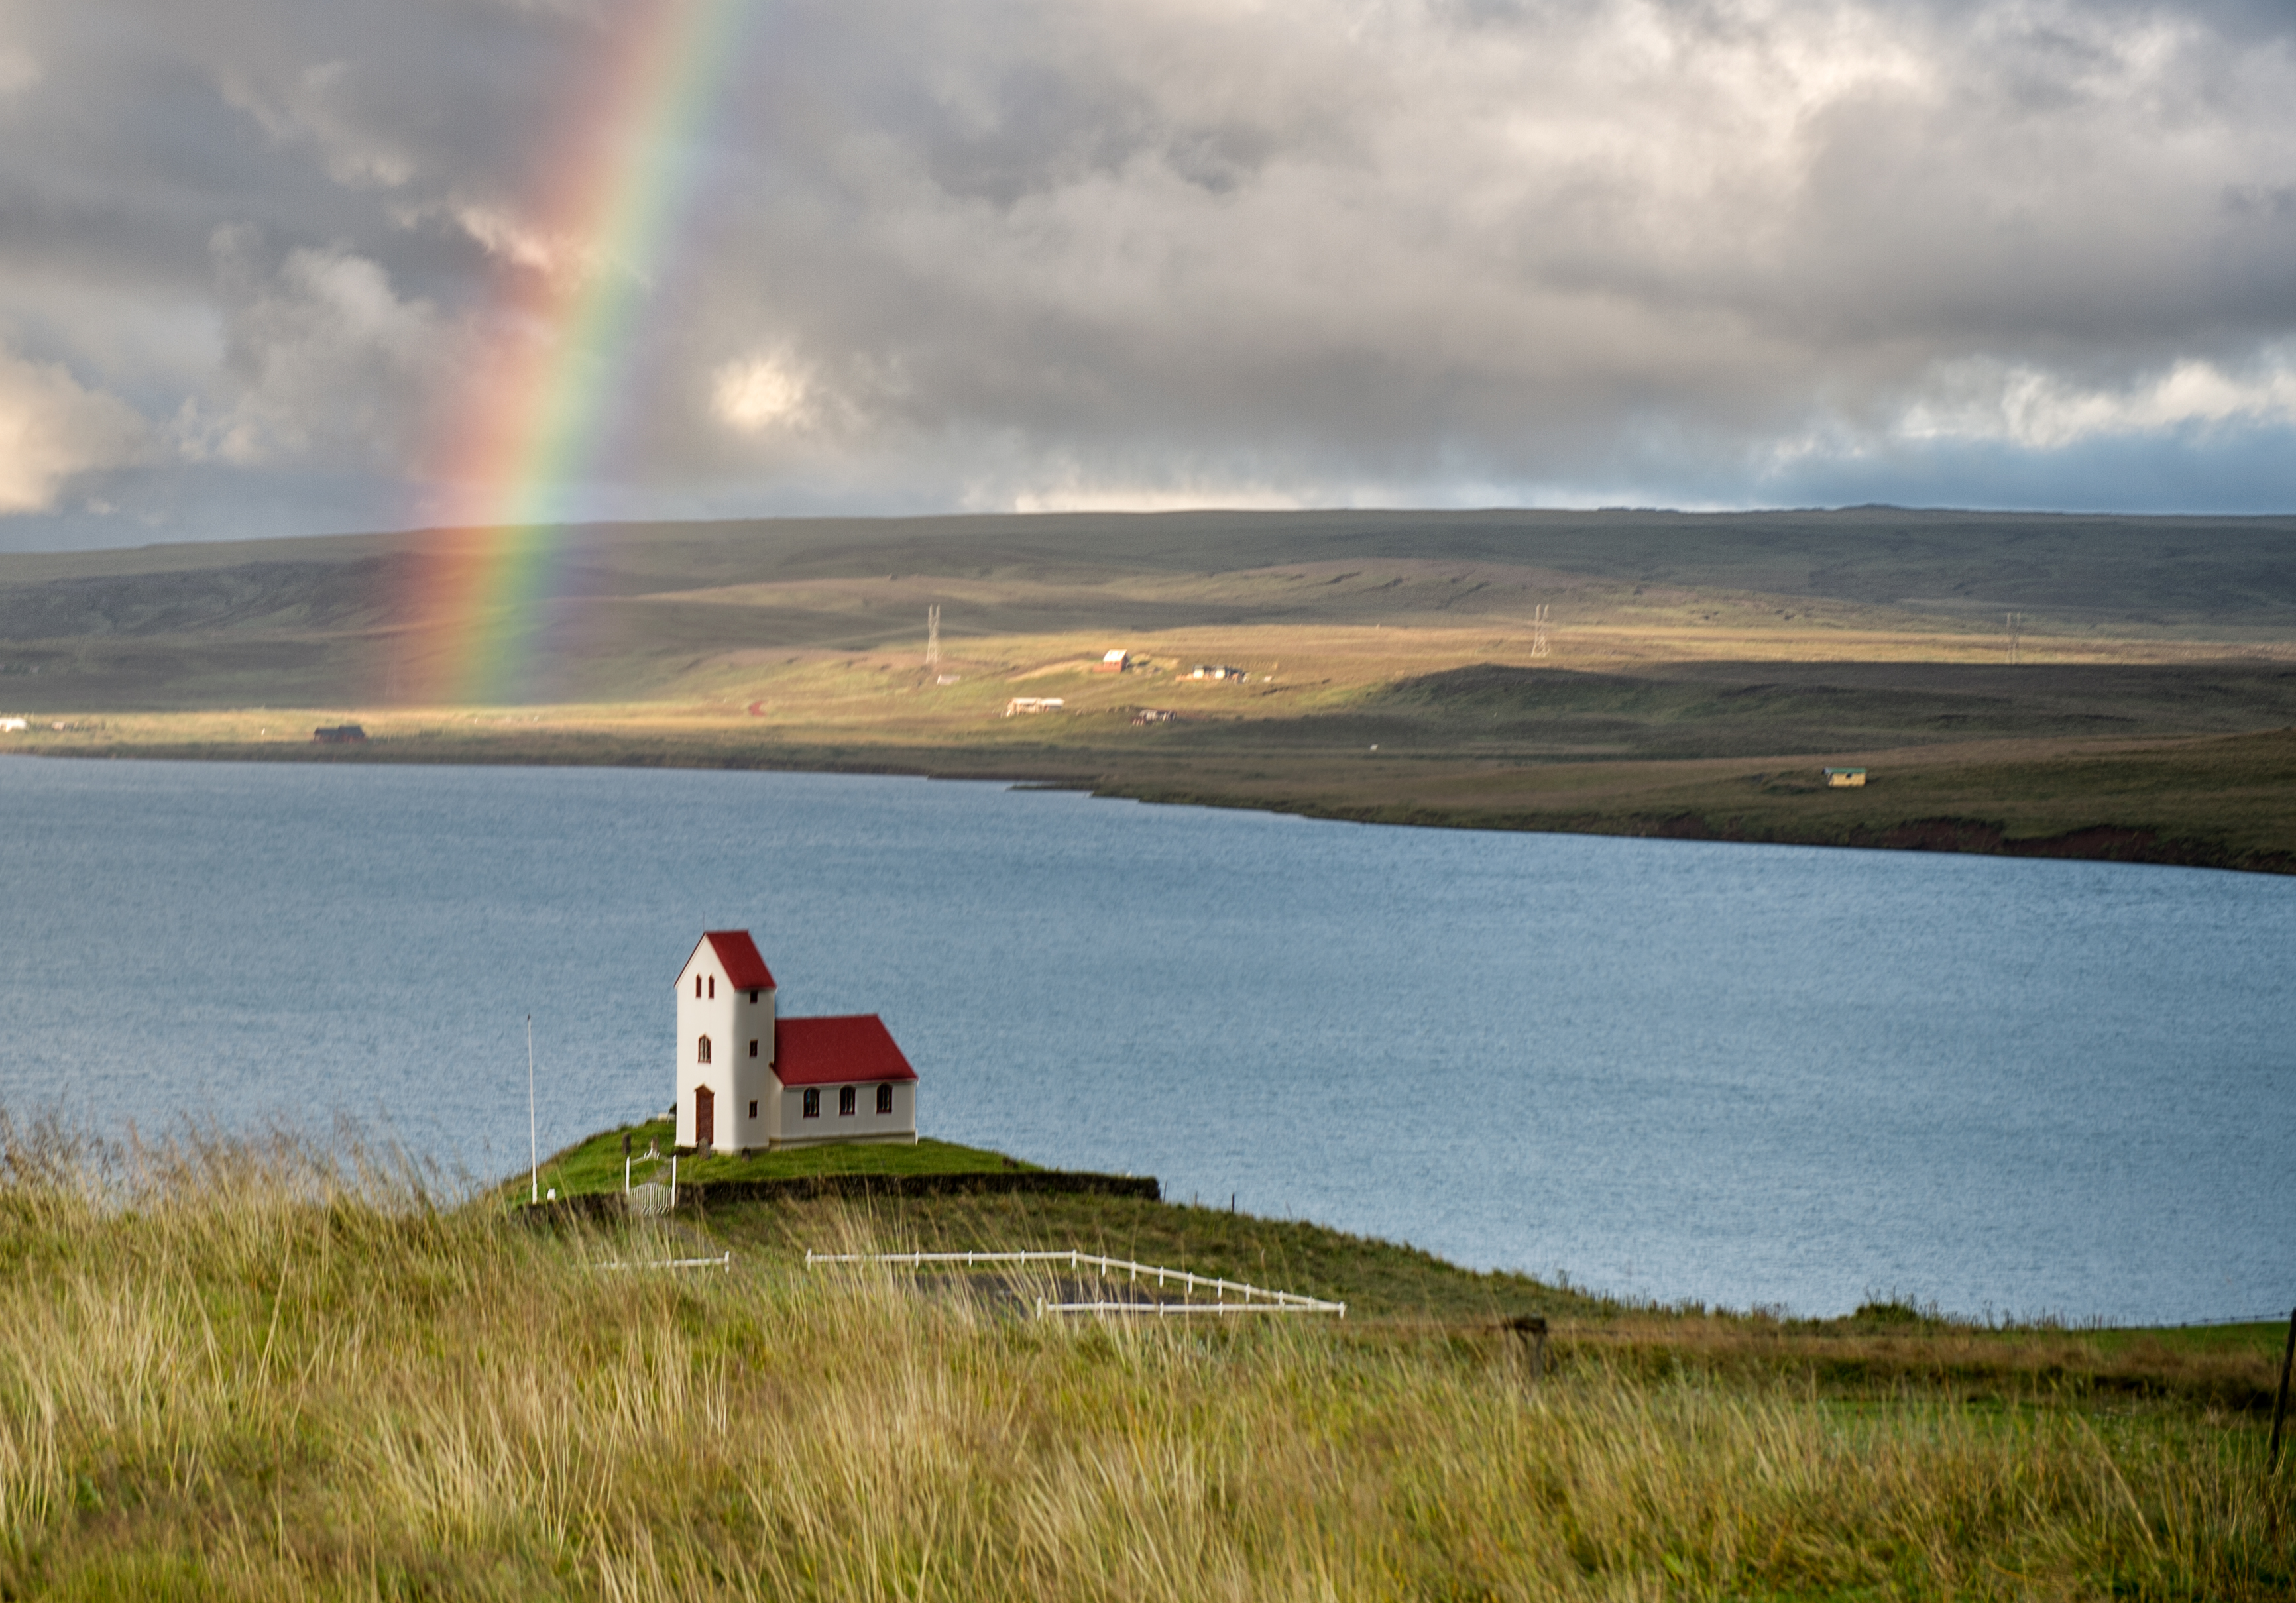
1867	828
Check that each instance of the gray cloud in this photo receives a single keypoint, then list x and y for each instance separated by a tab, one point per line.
1041	252
321	359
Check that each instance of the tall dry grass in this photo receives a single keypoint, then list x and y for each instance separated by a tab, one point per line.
247	1368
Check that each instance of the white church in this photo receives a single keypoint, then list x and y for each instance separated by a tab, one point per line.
749	1082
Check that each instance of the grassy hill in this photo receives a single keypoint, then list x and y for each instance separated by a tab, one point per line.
248	1371
594	1165
631	606
1693	674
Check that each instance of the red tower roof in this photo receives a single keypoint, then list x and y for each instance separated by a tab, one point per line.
737	953
837	1050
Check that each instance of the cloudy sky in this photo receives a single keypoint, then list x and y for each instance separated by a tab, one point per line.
263	266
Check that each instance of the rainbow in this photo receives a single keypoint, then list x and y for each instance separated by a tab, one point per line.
518	450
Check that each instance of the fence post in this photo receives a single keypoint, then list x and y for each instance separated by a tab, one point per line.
1532	1330
2280	1402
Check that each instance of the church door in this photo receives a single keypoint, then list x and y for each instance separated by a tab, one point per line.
705	1117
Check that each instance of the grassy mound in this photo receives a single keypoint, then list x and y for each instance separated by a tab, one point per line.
594	1164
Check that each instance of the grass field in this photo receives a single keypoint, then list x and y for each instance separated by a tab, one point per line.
236	1370
1694	677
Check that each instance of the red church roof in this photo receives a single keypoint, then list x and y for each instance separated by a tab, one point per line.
745	970
837	1050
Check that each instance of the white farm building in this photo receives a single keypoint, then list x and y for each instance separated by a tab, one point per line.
747	1081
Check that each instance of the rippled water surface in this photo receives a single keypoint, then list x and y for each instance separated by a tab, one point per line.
1746	1075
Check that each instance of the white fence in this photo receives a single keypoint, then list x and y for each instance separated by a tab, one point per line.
724	1261
1250	1299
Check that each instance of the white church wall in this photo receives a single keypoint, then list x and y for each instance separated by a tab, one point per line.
865	1123
718	1018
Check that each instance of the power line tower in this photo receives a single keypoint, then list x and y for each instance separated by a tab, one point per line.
1538	631
932	637
2014	620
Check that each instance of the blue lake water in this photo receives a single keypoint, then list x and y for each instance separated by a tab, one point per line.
1744	1075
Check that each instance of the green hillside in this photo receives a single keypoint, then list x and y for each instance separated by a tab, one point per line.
2074	685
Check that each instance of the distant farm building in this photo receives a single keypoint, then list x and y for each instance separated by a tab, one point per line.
1153	714
1034	704
1115	662
1208	670
339	735
749	1081
1842	777
11	726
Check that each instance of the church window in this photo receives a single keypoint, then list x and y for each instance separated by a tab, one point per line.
713	988
753	1049
813	1104
701	1050
753	1110
846	1100
884	1099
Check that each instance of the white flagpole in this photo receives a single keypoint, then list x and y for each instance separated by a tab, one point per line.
533	1147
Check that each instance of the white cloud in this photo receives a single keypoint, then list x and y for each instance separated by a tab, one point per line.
514	240
18	71
1089	497
1990	402
502	235
762	395
52	431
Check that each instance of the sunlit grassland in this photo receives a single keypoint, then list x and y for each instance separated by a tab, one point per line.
238	1370
885	695
2149	757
